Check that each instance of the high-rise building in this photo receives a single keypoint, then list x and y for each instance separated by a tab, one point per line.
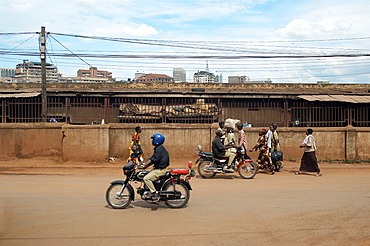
205	77
218	76
179	75
91	75
31	72
93	72
7	72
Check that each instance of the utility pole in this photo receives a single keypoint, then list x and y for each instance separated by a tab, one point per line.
44	109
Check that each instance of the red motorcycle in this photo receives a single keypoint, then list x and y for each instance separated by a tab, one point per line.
173	188
209	166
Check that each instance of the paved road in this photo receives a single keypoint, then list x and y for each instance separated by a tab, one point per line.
283	209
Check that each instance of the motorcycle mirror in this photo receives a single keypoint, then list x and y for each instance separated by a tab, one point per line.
199	147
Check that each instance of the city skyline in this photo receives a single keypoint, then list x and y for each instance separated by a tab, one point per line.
286	41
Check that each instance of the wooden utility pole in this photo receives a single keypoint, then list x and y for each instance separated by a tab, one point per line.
44	110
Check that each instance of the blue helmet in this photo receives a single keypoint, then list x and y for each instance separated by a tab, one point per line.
158	139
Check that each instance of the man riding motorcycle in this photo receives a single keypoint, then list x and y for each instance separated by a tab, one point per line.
219	150
161	161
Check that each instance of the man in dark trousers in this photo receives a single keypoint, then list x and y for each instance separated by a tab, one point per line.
161	161
219	150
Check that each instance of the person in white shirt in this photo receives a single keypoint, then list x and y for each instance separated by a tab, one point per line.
309	160
269	137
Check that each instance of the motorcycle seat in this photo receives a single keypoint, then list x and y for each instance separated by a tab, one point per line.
166	176
208	153
179	171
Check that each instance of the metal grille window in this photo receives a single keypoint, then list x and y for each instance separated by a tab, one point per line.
255	112
190	110
136	110
21	110
83	109
318	114
361	115
57	109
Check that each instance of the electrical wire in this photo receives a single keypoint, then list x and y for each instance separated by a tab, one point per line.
78	56
246	55
8	51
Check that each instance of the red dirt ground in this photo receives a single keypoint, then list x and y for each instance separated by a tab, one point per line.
45	201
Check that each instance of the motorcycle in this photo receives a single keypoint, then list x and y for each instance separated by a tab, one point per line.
209	166
173	188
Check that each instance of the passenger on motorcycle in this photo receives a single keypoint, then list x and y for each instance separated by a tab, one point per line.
161	161
219	150
242	140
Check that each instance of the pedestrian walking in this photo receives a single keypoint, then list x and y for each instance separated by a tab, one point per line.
136	153
309	160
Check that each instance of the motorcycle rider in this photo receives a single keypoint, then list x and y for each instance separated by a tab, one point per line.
219	150
161	161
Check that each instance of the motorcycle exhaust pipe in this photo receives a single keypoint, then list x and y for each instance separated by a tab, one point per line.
213	170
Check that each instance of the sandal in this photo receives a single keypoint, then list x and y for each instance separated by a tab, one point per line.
318	175
297	173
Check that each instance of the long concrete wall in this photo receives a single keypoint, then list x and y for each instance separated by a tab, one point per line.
99	142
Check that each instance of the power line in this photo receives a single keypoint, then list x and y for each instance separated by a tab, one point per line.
16	33
254	54
6	52
71	52
203	45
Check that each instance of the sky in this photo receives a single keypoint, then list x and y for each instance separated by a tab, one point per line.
285	41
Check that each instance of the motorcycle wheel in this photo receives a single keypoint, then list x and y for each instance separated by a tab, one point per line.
118	201
248	170
201	169
183	200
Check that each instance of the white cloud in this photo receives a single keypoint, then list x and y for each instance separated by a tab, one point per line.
182	20
140	31
310	29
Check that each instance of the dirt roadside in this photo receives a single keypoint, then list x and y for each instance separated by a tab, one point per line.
51	165
45	201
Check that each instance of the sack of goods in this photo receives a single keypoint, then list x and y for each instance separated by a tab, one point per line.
277	156
231	123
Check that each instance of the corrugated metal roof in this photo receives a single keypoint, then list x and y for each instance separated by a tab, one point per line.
20	95
337	98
